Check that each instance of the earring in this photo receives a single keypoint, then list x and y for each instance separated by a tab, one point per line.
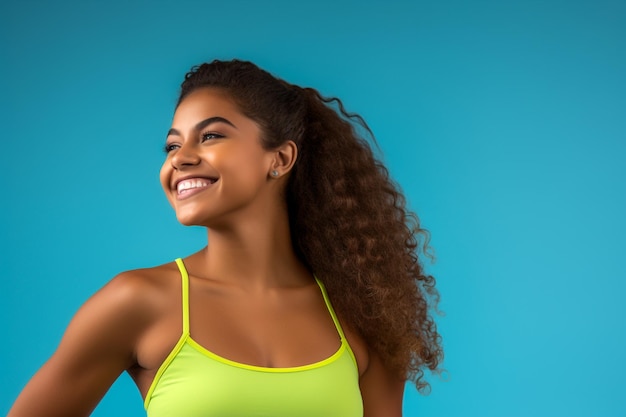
274	173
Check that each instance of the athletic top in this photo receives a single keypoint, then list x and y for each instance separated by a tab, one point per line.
195	382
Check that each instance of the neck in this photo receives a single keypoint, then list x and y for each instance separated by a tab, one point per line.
255	253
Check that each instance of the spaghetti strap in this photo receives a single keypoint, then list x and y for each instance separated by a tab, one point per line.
342	336
184	277
185	294
331	310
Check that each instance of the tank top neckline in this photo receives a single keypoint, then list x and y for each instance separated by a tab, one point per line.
187	345
186	335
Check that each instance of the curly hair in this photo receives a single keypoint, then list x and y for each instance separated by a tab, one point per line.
348	220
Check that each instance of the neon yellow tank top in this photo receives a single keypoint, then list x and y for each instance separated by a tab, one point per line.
194	382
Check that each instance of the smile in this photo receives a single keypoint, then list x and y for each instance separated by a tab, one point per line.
193	185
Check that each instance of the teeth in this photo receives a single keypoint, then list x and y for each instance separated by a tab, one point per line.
193	183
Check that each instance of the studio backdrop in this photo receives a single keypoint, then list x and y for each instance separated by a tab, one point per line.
504	122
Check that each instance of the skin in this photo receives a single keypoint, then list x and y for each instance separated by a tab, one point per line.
247	286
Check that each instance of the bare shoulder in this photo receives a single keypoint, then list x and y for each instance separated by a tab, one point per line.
136	281
129	298
98	345
140	289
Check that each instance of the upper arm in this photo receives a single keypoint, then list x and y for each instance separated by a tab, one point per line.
96	348
382	390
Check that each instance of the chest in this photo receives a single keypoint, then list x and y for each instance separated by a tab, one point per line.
273	331
196	383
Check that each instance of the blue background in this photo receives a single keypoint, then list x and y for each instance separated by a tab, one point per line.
503	121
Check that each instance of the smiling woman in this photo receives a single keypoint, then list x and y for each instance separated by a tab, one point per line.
309	298
215	150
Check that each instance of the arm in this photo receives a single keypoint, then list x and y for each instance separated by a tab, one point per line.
382	391
97	347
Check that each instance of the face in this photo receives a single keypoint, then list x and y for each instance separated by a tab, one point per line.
215	167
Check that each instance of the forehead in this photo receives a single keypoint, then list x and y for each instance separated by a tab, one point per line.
206	102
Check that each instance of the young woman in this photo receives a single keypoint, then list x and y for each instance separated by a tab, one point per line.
309	299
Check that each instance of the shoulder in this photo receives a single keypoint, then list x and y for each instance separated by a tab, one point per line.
136	293
98	345
112	322
139	285
124	307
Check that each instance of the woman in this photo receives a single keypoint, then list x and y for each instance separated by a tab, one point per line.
309	299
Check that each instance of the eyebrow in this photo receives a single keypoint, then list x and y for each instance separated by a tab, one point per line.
202	124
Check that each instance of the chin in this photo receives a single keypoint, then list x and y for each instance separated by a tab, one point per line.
186	222
188	219
217	218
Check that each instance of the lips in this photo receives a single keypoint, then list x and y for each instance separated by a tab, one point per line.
189	186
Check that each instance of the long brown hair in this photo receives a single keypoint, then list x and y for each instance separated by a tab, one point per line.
349	221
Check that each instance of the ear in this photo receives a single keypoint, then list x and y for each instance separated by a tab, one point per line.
284	158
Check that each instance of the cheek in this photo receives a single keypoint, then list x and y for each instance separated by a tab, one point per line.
164	178
241	163
248	173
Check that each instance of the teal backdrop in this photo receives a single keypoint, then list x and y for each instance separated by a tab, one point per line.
503	121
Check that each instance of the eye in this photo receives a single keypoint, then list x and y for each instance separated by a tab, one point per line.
169	147
211	135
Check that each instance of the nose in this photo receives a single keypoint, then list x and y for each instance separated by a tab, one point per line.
186	155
